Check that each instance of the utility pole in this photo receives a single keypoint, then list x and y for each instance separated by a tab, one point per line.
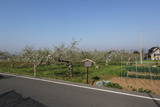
141	49
141	56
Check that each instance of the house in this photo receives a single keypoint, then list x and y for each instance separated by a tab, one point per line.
2	58
154	53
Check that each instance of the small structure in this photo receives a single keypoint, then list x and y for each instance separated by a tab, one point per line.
88	63
154	53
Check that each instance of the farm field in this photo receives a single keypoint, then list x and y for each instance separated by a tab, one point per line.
114	73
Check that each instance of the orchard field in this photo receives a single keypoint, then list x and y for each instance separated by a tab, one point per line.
64	62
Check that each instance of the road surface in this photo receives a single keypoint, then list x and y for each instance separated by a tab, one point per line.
65	94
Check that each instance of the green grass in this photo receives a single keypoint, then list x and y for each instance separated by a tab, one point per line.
58	71
155	70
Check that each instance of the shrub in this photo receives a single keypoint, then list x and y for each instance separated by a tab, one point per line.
144	90
129	86
114	85
134	89
96	78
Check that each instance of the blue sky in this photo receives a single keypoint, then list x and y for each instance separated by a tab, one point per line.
99	24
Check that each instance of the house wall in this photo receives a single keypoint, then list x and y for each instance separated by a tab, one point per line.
156	55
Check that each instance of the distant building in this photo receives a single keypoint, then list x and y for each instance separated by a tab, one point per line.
154	53
3	58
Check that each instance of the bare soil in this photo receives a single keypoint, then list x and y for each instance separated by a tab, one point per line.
132	83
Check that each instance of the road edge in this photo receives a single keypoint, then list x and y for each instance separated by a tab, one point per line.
83	86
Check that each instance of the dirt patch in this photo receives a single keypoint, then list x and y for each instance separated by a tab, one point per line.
132	83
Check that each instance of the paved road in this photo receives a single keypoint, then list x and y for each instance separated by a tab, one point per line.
62	95
14	99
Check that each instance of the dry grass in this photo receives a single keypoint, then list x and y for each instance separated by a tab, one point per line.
127	83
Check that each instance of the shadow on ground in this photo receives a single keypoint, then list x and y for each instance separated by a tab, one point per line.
14	99
4	77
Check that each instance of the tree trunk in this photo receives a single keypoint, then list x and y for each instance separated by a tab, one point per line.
71	70
34	69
